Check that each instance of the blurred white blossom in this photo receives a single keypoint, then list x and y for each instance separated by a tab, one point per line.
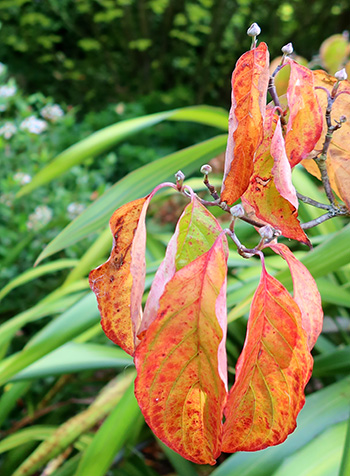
52	112
42	216
22	178
120	108
7	91
8	130
33	125
6	199
74	209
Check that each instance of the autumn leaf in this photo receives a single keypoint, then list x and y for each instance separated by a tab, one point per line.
304	126
195	233
119	283
249	88
306	294
181	374
338	158
262	194
271	372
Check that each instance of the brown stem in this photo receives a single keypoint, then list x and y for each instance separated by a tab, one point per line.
312	202
327	216
211	188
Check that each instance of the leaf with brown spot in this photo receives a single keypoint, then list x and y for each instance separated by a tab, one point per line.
181	375
338	158
271	372
304	126
119	283
262	195
306	294
249	88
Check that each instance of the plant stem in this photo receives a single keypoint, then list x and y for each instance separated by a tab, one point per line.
312	202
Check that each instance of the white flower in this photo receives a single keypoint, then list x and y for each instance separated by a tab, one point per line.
52	112
8	130
7	91
33	125
42	216
22	178
74	209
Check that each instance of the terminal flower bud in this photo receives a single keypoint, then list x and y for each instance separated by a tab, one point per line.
254	30
287	49
341	75
206	169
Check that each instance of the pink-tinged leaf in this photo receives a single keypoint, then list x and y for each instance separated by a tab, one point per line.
306	294
119	283
195	233
262	194
249	88
304	126
271	372
181	372
281	170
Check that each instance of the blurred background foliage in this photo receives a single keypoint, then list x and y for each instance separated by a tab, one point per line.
91	52
68	70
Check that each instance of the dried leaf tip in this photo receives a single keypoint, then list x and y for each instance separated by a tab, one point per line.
341	75
254	30
287	49
206	169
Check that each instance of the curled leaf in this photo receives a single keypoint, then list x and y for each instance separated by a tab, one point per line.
181	373
306	294
119	283
249	88
262	194
271	372
304	126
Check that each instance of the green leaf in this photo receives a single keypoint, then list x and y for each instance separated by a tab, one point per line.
333	363
133	186
321	457
32	274
345	463
74	357
322	409
68	325
111	437
38	432
109	136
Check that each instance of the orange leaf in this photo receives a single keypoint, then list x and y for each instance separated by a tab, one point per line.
249	88
306	294
338	159
181	373
304	126
196	232
119	283
262	194
271	372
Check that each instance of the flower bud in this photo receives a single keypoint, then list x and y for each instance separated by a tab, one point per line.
342	119
287	49
341	75
254	30
180	176
237	211
266	232
206	169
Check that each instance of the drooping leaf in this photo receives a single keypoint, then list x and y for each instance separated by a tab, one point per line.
119	283
338	158
262	195
271	372
196	232
281	169
306	294
304	126
249	88
181	378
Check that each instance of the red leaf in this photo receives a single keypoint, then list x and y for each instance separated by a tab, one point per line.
304	126
306	294
271	372
119	283
281	170
262	194
181	373
196	232
249	88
